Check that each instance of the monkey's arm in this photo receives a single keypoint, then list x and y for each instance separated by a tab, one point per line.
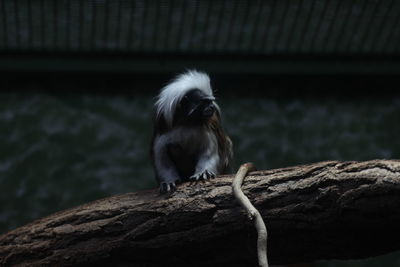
207	165
165	168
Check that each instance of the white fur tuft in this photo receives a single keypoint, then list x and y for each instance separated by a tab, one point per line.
172	94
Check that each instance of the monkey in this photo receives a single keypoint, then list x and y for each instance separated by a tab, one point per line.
188	142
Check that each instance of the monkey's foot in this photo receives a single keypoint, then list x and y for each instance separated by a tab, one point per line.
167	187
202	175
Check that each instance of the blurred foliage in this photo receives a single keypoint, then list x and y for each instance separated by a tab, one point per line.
389	260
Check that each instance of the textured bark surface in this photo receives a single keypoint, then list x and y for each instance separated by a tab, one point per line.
326	210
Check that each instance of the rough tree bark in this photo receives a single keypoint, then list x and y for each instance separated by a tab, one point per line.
324	210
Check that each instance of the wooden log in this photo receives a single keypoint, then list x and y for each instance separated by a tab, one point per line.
326	210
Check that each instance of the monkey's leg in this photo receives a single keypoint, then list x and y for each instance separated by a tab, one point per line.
167	174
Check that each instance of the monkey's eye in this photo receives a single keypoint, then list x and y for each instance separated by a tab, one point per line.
206	101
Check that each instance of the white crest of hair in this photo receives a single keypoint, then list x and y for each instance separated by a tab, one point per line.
173	92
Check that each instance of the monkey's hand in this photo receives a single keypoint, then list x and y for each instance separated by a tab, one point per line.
204	175
168	185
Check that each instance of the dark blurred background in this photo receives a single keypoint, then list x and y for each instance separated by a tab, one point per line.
298	82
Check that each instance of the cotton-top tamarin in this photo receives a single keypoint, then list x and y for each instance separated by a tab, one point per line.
188	141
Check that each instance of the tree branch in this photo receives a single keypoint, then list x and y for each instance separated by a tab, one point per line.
324	210
252	213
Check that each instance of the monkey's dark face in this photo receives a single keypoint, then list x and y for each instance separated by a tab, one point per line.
195	107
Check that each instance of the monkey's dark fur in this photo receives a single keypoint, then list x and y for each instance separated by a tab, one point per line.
188	141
